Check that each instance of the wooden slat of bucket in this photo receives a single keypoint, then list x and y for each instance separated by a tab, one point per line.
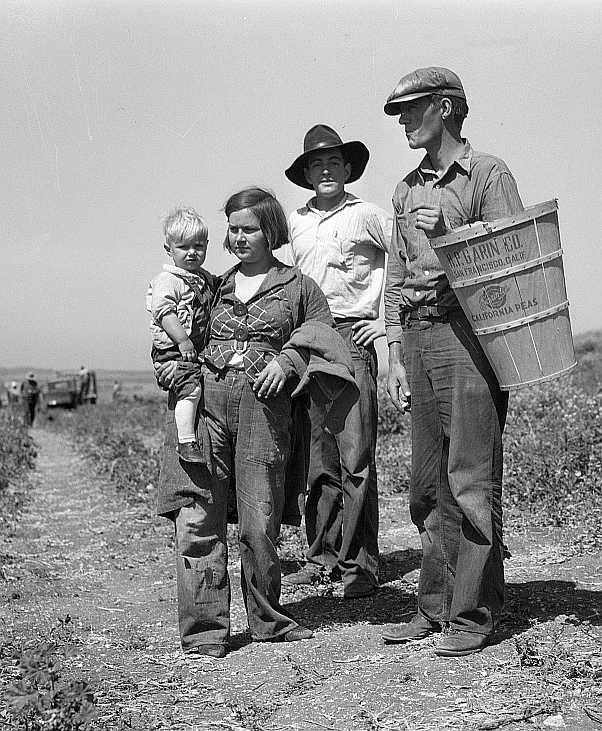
543	269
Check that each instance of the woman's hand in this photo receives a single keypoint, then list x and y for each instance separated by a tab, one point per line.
270	381
165	372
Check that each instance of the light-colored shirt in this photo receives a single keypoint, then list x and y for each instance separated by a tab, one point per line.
475	187
343	250
172	291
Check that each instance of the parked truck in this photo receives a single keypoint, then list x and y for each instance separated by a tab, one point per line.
69	390
61	392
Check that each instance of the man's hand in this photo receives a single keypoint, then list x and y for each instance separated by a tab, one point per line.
165	372
270	381
430	220
397	387
365	332
187	350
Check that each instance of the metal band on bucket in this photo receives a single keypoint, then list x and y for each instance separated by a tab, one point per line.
523	320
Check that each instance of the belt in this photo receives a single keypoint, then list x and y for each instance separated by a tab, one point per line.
349	320
430	313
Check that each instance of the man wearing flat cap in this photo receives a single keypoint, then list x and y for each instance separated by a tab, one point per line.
438	370
340	241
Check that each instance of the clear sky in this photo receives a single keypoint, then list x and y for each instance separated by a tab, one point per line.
114	112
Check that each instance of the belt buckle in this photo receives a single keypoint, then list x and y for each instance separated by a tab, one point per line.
241	338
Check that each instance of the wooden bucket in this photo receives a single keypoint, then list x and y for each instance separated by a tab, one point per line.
509	280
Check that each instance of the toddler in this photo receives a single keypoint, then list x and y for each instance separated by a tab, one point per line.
179	299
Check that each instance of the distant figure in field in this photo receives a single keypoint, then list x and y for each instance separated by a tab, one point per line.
179	299
13	393
30	394
116	393
84	383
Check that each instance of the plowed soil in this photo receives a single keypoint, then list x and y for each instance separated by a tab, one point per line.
80	557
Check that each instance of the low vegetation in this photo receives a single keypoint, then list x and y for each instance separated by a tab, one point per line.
17	457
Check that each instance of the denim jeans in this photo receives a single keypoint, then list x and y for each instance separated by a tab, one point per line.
458	415
250	440
341	511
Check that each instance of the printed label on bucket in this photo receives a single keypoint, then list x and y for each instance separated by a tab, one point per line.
499	303
510	298
490	255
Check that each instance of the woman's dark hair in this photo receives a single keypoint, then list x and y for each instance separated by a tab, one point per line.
270	215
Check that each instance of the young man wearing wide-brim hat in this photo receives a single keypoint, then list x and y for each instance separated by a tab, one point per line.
340	241
438	370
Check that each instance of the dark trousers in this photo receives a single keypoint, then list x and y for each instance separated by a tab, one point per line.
249	439
29	410
341	511
458	415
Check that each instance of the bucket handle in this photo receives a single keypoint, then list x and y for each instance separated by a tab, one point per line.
531	264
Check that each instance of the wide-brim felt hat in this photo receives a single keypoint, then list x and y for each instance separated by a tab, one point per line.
424	82
321	137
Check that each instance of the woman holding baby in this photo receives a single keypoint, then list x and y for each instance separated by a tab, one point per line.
268	341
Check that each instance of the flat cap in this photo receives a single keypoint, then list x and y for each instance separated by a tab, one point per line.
423	82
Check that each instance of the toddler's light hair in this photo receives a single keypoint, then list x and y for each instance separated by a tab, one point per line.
184	224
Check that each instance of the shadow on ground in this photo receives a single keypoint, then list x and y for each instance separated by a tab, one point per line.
393	566
385	606
543	601
319	607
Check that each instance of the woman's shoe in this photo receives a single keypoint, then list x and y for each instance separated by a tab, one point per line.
297	633
217	651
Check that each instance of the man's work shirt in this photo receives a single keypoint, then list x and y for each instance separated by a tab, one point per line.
343	250
475	187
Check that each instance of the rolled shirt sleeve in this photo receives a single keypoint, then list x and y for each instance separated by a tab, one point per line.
163	298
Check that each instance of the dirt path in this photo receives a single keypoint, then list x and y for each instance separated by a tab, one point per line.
80	551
